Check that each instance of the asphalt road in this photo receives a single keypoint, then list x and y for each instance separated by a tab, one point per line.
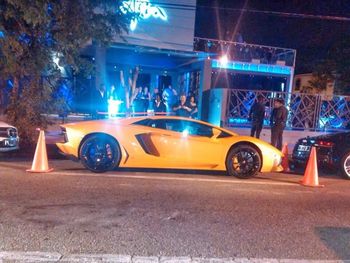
149	213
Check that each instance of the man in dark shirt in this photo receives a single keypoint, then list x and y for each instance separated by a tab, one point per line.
182	109
158	105
256	116
100	102
278	120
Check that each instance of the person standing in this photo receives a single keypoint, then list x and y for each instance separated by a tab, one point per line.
155	93
101	104
158	105
113	93
193	105
169	97
138	103
182	109
278	122
256	116
146	98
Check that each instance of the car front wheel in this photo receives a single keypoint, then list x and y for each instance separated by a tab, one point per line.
100	153
243	161
345	166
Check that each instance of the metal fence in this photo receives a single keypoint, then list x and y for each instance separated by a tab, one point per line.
306	112
245	52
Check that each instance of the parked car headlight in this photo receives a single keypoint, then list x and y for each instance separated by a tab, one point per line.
12	132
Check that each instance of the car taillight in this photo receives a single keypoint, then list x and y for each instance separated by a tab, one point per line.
325	143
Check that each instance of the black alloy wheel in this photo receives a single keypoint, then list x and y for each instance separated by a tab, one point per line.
345	166
243	161
100	153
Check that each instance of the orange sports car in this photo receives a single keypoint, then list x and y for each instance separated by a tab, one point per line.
166	142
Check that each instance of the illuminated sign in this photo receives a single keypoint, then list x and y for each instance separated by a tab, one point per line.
143	9
156	23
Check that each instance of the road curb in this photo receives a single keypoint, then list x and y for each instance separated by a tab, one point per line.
33	256
37	256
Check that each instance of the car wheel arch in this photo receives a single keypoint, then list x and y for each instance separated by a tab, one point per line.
237	144
87	136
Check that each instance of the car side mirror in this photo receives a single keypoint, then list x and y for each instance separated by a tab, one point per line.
216	133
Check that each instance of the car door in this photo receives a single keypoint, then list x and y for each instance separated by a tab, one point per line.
186	144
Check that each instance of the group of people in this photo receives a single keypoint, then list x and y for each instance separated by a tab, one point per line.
278	120
168	102
186	108
142	99
164	102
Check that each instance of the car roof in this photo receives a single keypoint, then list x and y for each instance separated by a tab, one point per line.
326	135
132	120
136	119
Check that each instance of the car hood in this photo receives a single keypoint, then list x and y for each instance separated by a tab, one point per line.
5	125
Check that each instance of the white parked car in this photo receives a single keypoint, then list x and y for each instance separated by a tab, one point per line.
9	139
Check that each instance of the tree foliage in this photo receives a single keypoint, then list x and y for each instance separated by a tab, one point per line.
323	74
37	38
336	67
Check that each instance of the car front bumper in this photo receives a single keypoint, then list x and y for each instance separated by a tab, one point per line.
9	144
324	156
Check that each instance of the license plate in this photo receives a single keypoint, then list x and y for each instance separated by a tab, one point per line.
10	142
303	148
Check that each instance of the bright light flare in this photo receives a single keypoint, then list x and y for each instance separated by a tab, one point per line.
223	61
113	108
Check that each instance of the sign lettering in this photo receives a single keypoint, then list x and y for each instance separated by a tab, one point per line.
143	9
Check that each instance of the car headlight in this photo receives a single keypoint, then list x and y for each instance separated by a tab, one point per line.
12	132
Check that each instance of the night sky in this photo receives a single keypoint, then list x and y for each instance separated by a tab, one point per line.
311	37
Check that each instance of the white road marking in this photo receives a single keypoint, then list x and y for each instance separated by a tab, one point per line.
96	258
36	256
172	178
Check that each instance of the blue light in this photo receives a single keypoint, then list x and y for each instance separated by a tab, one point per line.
144	9
331	122
238	121
10	83
262	68
113	108
2	35
243	122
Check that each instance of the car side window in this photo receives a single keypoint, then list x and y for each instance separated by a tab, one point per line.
198	129
182	126
185	127
168	124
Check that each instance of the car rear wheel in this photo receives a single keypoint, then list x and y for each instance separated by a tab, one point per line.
345	166
243	161
100	153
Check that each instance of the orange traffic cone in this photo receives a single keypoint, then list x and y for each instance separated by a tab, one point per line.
40	163
285	161
311	172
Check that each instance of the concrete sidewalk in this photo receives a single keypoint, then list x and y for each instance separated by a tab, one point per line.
36	256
